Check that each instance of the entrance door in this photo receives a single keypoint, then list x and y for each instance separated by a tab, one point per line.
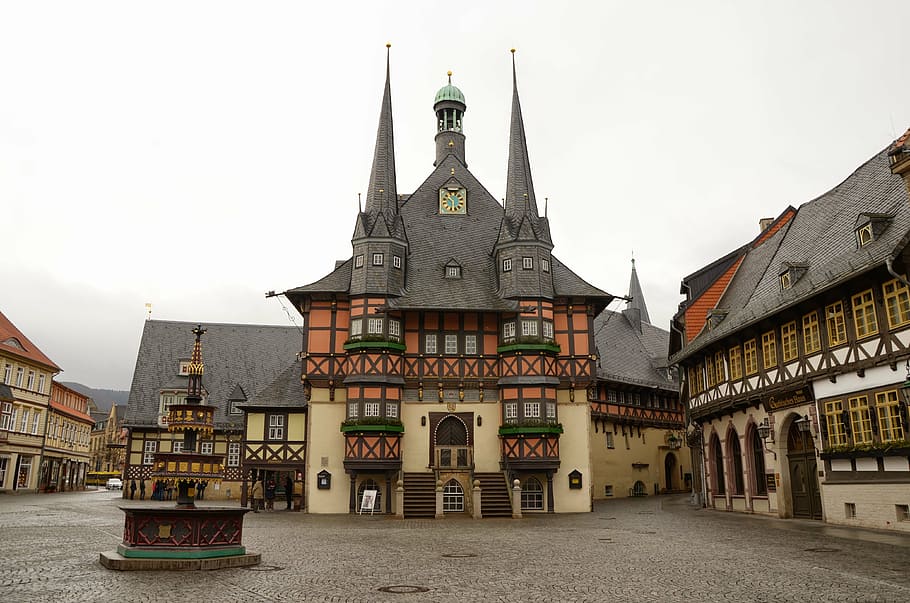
451	444
804	489
669	470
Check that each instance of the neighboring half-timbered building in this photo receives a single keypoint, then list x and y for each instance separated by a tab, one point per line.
793	352
452	346
637	442
241	362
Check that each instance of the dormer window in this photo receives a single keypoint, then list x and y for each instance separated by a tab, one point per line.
785	282
790	273
184	368
870	226
453	270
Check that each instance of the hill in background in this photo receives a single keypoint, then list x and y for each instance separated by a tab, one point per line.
103	398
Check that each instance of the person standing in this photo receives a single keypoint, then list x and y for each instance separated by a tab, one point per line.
256	495
132	489
141	489
289	491
270	495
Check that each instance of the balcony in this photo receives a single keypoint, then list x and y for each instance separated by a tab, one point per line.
530	446
371	445
453	457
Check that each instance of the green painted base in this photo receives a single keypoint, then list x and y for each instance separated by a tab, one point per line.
115	561
178	553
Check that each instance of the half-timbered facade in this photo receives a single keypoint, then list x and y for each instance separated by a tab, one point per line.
793	350
240	362
452	347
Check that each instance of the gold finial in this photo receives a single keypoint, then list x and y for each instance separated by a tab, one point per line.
512	51
453	171
449	73
389	45
451	143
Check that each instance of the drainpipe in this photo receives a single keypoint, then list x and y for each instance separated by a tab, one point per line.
890	267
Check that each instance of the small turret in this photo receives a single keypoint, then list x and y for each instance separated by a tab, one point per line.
450	108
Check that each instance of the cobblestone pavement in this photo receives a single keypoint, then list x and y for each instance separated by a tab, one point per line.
647	549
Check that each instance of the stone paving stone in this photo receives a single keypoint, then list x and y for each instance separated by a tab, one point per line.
643	549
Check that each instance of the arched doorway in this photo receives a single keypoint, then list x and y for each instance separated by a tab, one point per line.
451	443
669	472
804	492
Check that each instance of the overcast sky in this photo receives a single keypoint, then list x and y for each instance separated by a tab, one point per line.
195	155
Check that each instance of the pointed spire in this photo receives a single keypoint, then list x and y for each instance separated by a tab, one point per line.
520	199
195	369
637	297
382	194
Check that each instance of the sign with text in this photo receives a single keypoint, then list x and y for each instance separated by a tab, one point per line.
368	501
787	399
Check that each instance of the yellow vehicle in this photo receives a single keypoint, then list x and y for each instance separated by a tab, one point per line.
99	478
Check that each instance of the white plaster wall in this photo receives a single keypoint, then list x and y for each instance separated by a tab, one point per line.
326	441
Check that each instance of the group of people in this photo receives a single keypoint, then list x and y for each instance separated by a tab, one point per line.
262	495
163	489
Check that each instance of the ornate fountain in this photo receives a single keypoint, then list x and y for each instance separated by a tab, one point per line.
185	536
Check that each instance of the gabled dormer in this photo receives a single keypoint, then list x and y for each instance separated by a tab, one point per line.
453	269
870	226
790	273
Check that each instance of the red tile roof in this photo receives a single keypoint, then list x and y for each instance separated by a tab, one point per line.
29	350
66	410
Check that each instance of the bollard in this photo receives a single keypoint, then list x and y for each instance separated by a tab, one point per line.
478	512
516	499
399	500
439	512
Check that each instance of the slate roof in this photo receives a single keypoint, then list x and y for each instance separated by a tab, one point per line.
251	356
10	335
629	355
433	239
820	235
286	391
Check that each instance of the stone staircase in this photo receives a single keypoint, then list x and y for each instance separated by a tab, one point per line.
420	495
494	495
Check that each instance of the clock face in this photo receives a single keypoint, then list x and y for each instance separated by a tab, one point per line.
452	201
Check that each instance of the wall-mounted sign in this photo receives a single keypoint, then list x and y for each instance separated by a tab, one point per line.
575	479
787	399
324	480
771	482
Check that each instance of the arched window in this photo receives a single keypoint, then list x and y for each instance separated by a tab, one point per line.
758	464
531	495
719	479
369	484
736	454
453	497
639	489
